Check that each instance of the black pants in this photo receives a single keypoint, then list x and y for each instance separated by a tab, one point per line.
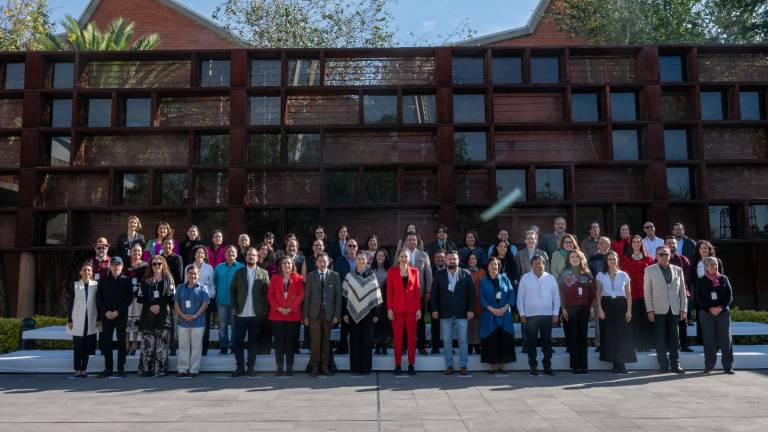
421	330
540	327
717	332
682	329
82	347
576	338
207	333
642	329
434	336
667	340
265	338
360	344
286	341
252	327
108	327
343	337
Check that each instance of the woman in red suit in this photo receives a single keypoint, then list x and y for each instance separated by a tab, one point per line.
403	308
634	265
285	294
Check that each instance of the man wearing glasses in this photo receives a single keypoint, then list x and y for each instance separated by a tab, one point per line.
665	299
100	261
650	241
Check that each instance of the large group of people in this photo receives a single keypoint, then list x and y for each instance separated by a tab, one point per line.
638	292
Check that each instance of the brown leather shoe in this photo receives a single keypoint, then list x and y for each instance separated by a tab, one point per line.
464	371
448	371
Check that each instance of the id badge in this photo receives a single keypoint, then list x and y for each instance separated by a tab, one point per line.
156	294
714	295
188	304
580	291
96	276
498	295
134	281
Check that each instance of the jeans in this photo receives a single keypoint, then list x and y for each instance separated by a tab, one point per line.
225	325
450	328
190	349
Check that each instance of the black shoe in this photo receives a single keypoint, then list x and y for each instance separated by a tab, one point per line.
678	370
145	374
423	352
223	352
411	370
686	349
706	371
251	372
534	372
279	373
377	351
525	350
194	375
597	349
614	370
623	372
435	351
313	373
663	370
398	370
121	374
340	351
548	371
237	373
289	371
106	373
384	351
729	372
326	372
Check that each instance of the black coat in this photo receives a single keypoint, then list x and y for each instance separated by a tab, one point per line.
433	247
114	294
176	267
123	246
453	304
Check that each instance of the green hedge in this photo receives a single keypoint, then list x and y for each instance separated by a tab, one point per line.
749	315
9	334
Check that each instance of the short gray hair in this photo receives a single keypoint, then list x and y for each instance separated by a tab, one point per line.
710	260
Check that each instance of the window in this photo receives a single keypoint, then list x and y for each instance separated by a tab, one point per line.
470	146
419	109
303	72
209	220
99	112
380	109
59	151
626	145
265	72
138	112
507	70
55	225
712	105
63	75
468	108
173	188
507	180
214	73
751	105
265	110
679	185
720	226
671	68
264	149
9	190
304	148
676	144
545	69
585	107
468	70
14	76
623	106
211	188
758	220
214	149
341	187
380	186
135	189
550	184
61	113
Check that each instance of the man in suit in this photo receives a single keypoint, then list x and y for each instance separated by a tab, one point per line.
453	303
664	288
441	242
322	310
343	265
590	244
685	246
420	260
248	298
550	242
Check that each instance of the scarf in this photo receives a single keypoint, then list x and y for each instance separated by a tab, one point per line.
362	293
715	279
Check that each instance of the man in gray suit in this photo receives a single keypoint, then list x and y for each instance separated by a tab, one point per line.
322	310
419	259
664	288
550	242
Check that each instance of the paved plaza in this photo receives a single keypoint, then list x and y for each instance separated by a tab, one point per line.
382	402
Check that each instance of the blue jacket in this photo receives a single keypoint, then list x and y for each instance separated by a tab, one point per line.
222	279
488	321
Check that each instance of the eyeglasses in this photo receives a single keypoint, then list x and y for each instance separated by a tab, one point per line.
157	264
352	246
648	226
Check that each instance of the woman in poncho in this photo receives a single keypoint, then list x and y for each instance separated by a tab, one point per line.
362	297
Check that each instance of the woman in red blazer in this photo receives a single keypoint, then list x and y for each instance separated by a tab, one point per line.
403	308
286	292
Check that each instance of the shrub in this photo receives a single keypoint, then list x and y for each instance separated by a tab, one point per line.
9	334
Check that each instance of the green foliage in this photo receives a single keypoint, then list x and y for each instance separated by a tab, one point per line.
9	334
743	315
21	24
89	38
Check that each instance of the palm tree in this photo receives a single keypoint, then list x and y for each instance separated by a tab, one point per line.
117	37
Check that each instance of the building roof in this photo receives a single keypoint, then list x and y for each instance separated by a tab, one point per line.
525	30
182	10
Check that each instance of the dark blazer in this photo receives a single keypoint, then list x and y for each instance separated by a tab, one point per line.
341	266
334	250
688	249
239	292
176	267
123	246
454	304
313	296
114	294
433	247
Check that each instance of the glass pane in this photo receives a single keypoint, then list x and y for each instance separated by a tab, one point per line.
59	152
389	71
507	180
712	106
259	222
322	110
507	70
63	75
137	112
265	110
135	189
211	188
758	220
214	73
61	113
304	148
14	76
585	107
675	144
133	150
633	216
9	190
470	146
208	221
173	189
468	70
751	106
380	186
550	184
193	111
468	108
679	183
10	152
623	107
545	69
341	187
264	149
265	72
99	112
55	229
303	72
380	109
136	74
626	145
419	109
302	223
469	219
671	68
720	227
214	149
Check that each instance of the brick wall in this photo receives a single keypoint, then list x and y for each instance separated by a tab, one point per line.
546	34
380	147
472	186
61	190
619	184
735	143
7	230
283	188
603	69
731	182
536	146
10	151
528	107
733	67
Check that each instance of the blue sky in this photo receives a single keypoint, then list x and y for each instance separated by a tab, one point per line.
422	17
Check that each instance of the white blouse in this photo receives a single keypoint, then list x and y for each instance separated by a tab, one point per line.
613	288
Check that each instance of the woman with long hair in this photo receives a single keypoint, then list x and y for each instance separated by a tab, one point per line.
129	238
506	260
156	296
285	295
382	331
372	243
559	260
497	331
403	308
471	246
622	241
83	320
614	307
473	326
634	265
577	293
155	245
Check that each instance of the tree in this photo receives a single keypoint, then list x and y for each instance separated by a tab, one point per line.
21	24
117	37
740	21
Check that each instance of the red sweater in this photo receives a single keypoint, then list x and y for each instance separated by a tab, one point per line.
400	298
216	256
277	298
618	246
636	271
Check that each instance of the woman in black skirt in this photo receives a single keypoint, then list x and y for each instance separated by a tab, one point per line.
497	332
614	299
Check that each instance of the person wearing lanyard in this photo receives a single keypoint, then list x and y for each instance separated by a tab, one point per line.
714	298
538	302
577	292
322	310
135	271
497	331
614	306
191	301
155	294
285	295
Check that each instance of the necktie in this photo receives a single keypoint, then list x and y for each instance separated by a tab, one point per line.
322	288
